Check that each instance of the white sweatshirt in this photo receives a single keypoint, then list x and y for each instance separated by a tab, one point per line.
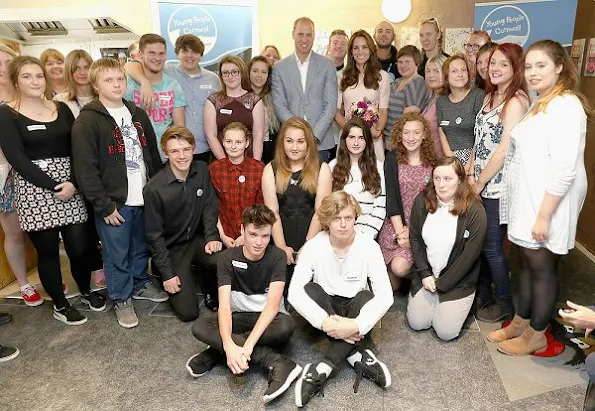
343	277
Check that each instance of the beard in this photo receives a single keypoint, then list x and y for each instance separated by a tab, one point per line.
385	46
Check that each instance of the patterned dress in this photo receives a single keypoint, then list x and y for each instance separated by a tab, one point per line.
412	181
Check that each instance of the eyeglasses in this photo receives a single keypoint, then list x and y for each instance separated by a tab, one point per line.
469	46
233	73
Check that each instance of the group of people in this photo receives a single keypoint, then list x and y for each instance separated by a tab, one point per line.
365	167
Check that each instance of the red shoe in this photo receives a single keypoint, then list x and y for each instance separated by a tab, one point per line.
31	296
65	289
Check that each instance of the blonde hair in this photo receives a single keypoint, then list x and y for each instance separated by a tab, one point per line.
70	63
101	66
8	50
47	53
335	203
311	167
434	22
302	20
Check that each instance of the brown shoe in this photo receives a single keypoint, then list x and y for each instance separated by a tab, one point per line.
529	341
514	329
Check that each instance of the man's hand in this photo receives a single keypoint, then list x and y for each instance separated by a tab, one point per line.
213	247
239	241
147	95
354	338
342	328
114	219
64	191
581	317
228	242
172	285
237	358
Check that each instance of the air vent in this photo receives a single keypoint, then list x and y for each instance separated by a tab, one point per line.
106	25
45	28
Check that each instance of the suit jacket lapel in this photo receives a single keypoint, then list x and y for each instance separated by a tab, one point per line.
312	71
295	74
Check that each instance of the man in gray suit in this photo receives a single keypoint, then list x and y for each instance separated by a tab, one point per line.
305	85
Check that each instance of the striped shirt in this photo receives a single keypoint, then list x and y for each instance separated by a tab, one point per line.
414	93
373	206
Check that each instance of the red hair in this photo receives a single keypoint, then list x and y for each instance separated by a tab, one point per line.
514	54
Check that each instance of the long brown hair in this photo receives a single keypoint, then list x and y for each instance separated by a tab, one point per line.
265	94
568	79
366	163
514	54
426	152
311	167
239	63
372	67
15	69
464	196
70	63
446	71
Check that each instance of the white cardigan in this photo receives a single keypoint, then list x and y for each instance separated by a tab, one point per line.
546	154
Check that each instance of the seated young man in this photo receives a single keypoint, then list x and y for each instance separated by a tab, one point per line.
329	288
237	180
114	154
252	317
181	224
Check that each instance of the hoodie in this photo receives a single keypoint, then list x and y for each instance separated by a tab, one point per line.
99	155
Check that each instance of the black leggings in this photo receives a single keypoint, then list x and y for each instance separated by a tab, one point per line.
538	286
76	243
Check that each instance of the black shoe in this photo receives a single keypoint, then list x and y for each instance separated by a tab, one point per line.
589	404
203	362
211	303
281	374
69	316
5	318
372	368
8	353
309	384
94	300
480	302
500	310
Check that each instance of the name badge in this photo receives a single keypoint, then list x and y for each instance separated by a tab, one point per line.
206	87
163	97
226	111
239	264
351	277
444	123
36	127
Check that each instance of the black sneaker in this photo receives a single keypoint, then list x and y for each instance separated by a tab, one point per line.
371	368
500	310
203	362
5	318
281	374
8	353
69	316
211	302
94	300
309	384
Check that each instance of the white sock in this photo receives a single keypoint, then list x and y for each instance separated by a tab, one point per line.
355	357
324	368
25	286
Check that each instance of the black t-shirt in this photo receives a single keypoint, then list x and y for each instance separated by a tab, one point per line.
250	280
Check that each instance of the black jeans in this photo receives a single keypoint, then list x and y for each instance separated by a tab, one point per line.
204	157
185	302
76	244
276	334
345	307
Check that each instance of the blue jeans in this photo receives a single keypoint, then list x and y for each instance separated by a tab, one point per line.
493	249
325	155
125	253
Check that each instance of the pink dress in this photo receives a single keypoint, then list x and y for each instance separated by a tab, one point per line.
412	181
430	114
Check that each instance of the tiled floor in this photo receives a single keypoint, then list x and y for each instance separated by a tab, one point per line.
102	366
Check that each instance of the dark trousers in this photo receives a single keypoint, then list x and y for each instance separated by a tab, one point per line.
276	334
493	249
76	244
204	157
96	260
125	253
345	307
185	302
325	155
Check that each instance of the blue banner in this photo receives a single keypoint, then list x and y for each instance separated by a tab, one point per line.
223	28
525	22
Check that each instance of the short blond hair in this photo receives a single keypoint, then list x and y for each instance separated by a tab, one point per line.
100	66
333	204
303	20
47	53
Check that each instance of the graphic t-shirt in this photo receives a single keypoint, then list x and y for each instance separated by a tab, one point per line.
135	164
168	95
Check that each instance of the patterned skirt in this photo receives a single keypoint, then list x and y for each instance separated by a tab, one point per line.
39	209
7	194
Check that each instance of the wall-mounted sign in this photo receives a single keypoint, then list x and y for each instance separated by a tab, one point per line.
524	22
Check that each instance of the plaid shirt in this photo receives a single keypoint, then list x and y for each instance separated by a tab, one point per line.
237	186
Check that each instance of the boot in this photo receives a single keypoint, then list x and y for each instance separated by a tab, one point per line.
529	341
499	310
514	329
590	397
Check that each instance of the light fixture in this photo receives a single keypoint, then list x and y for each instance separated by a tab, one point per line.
396	11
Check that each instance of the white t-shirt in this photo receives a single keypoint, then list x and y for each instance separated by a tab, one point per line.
135	164
439	233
